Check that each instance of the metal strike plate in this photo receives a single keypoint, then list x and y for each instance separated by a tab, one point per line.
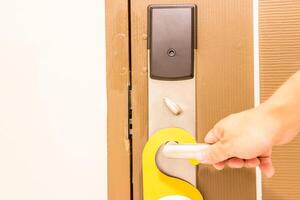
171	81
172	40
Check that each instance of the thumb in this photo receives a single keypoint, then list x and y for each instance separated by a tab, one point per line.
213	154
212	137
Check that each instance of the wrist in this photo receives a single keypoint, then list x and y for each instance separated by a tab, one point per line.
272	116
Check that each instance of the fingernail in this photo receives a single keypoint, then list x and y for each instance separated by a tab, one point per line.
271	173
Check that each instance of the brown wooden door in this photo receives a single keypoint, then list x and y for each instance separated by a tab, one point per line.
224	85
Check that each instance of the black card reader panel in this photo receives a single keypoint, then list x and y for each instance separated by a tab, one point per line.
171	41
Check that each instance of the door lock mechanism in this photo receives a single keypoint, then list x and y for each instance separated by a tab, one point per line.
171	87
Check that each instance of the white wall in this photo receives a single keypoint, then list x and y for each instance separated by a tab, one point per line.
52	100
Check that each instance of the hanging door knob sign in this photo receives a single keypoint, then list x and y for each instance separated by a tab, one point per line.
156	184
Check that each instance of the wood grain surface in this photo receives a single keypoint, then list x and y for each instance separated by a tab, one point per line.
279	59
117	59
224	85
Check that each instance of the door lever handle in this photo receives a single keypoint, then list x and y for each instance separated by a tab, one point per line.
183	151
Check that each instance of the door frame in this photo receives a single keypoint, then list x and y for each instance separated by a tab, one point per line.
256	66
118	82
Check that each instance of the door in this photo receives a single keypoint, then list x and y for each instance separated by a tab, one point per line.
224	84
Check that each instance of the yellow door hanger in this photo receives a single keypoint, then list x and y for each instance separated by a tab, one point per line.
157	185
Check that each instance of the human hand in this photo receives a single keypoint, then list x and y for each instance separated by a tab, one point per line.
242	140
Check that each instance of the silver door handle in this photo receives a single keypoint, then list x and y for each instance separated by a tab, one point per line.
183	151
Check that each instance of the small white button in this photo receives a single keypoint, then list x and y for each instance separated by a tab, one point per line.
172	106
